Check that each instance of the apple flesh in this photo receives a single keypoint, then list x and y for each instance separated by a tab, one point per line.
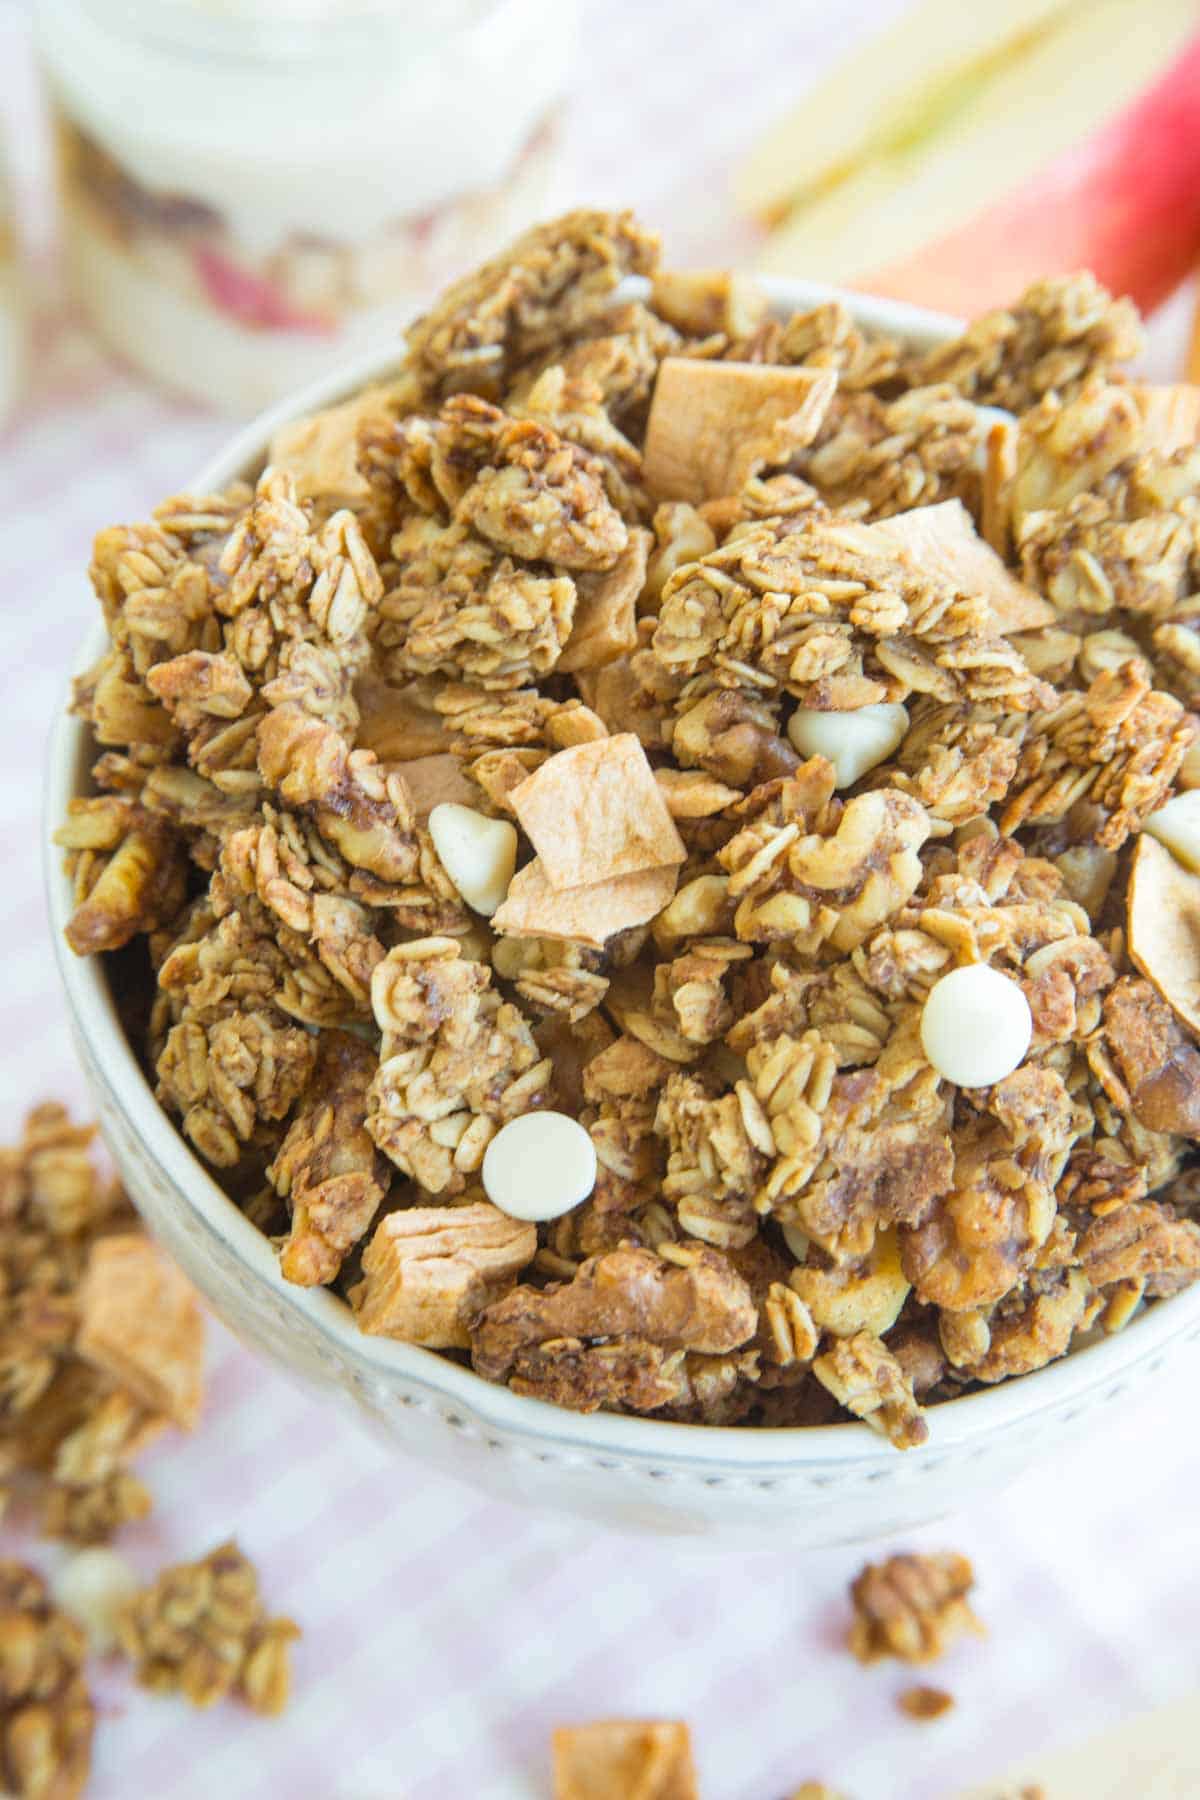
1076	146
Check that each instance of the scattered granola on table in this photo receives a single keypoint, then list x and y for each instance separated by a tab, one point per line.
806	671
46	1712
911	1607
924	1703
624	1759
101	1338
200	1629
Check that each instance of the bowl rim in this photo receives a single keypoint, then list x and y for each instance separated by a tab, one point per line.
762	1451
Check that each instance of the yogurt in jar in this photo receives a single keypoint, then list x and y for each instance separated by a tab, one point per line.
247	187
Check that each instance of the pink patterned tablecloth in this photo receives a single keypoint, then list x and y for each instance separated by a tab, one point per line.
445	1633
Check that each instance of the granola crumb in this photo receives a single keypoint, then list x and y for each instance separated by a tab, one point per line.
924	1703
200	1629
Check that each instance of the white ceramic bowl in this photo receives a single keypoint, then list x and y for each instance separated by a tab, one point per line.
824	1485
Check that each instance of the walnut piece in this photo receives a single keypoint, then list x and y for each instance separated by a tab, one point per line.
615	1330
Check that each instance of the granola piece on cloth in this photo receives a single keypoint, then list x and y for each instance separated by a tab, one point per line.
549	287
1061	331
430	1269
46	1713
911	1607
327	1167
624	1759
617	1332
201	1630
456	1061
88	1371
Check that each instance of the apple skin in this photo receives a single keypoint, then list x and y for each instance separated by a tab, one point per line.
1125	204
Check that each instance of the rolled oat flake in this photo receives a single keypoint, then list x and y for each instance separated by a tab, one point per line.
539	1166
976	1026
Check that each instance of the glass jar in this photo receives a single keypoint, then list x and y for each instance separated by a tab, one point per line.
250	185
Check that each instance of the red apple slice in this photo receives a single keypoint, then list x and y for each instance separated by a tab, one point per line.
1072	143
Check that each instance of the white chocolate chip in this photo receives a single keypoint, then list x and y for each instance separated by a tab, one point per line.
478	854
976	1026
797	1241
1177	825
539	1166
853	741
92	1585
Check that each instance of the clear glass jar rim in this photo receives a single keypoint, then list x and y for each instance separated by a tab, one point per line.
291	30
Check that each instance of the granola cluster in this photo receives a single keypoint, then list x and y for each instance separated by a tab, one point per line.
601	565
101	1339
200	1629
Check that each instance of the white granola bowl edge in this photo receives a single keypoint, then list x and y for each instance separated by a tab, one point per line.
819	1486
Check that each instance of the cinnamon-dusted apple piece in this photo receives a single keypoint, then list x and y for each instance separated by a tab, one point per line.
595	811
1164	927
713	425
583	915
624	1759
943	543
140	1323
428	1268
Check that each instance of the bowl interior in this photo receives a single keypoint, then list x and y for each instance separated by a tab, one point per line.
126	1093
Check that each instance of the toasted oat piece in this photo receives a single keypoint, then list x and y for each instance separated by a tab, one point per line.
201	1630
1164	927
428	1268
141	1323
583	915
605	625
46	1712
624	1759
434	780
1170	415
595	812
943	542
911	1607
714	425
